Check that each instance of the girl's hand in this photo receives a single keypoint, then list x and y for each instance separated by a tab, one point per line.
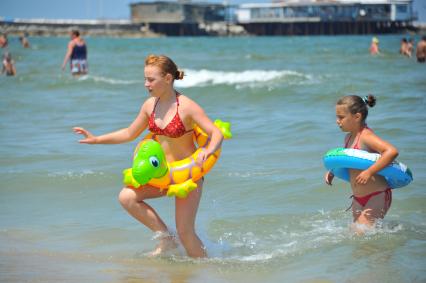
363	177
88	137
202	156
329	178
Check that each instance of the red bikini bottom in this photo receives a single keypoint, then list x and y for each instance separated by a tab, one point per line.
364	199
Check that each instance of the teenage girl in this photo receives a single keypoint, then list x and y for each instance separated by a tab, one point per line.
372	195
171	116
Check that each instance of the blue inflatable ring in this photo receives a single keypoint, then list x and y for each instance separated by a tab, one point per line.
339	160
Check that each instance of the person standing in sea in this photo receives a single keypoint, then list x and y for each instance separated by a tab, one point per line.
24	41
372	195
8	65
76	54
171	116
3	40
421	50
374	47
403	49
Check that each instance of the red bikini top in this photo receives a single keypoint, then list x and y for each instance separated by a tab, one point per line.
174	129
358	136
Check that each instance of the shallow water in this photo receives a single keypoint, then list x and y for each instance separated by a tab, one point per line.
266	214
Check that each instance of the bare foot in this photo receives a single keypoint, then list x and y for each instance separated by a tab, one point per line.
166	243
359	229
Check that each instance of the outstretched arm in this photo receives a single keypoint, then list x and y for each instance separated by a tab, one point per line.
121	136
388	154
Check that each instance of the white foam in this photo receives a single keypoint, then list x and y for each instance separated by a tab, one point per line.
73	174
200	78
257	257
203	77
108	80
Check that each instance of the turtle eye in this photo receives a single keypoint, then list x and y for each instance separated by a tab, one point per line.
154	161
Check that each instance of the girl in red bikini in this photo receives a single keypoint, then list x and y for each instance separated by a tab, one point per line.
171	116
372	195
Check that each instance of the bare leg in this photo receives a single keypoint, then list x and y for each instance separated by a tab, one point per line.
376	208
133	201
359	213
361	220
186	211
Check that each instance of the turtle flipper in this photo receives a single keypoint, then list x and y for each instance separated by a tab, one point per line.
181	190
128	179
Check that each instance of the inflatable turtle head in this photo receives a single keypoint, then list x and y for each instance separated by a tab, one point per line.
149	162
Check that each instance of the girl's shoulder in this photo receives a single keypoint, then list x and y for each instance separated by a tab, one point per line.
185	101
368	138
188	105
148	104
71	44
182	97
367	132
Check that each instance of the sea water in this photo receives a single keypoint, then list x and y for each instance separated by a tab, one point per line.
266	214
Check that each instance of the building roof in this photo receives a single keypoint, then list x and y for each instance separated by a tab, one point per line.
282	3
342	1
200	3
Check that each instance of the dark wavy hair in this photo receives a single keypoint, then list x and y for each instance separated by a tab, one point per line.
358	104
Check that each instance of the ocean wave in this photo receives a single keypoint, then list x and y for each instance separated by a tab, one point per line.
203	78
100	79
72	174
251	78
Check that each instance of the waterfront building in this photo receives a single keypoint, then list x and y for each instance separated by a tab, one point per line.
282	17
177	18
300	17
